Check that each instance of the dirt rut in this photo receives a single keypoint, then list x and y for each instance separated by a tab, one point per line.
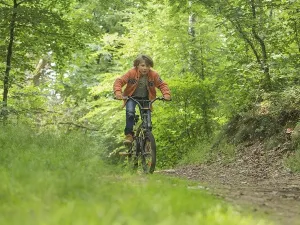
257	180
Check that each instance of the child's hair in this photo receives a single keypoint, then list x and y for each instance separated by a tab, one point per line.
147	59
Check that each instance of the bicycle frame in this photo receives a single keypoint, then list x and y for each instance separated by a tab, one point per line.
145	111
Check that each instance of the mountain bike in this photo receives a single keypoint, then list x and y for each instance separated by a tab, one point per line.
143	148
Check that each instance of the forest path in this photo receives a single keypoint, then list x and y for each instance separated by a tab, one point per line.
258	181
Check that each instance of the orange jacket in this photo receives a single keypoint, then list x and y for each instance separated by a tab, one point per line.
132	77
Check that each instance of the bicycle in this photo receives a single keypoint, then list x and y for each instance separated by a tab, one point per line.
143	147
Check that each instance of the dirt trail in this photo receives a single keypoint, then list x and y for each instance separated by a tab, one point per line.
256	180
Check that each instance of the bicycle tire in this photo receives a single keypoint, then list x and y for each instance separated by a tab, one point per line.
149	153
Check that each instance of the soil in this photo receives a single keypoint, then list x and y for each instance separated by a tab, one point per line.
257	179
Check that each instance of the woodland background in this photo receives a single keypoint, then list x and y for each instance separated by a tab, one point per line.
232	67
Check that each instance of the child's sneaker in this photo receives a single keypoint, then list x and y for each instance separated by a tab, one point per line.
128	139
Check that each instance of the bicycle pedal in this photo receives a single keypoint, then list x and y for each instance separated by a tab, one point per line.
124	153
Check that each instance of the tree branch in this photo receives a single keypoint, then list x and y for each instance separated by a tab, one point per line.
73	124
247	39
19	3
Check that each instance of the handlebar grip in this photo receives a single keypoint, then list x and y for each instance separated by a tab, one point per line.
123	98
168	100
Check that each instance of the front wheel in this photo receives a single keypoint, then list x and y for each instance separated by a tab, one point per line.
149	153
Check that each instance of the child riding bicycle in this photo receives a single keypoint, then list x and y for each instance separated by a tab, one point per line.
141	82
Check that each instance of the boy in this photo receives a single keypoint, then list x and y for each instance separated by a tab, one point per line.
140	82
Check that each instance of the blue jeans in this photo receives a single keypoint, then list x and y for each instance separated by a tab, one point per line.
130	114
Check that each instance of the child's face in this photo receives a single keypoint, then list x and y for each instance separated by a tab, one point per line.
143	68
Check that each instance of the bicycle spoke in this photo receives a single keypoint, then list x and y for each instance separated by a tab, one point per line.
149	154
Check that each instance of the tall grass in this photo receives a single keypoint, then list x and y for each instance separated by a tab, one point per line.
60	179
202	152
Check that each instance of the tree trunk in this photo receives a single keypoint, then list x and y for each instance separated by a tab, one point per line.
6	79
191	32
38	73
264	60
194	68
297	34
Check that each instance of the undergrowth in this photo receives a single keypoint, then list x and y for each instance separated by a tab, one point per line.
273	123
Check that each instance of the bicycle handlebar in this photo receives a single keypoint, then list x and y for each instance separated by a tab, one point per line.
134	99
150	101
145	100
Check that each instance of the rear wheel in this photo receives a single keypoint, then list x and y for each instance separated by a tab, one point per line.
149	153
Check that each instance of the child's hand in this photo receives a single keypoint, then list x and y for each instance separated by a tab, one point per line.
167	97
119	96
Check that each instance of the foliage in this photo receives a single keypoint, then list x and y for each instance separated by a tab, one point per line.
240	61
33	30
64	34
184	126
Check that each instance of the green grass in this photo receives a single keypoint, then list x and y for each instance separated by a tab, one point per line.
293	161
202	153
59	179
199	153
